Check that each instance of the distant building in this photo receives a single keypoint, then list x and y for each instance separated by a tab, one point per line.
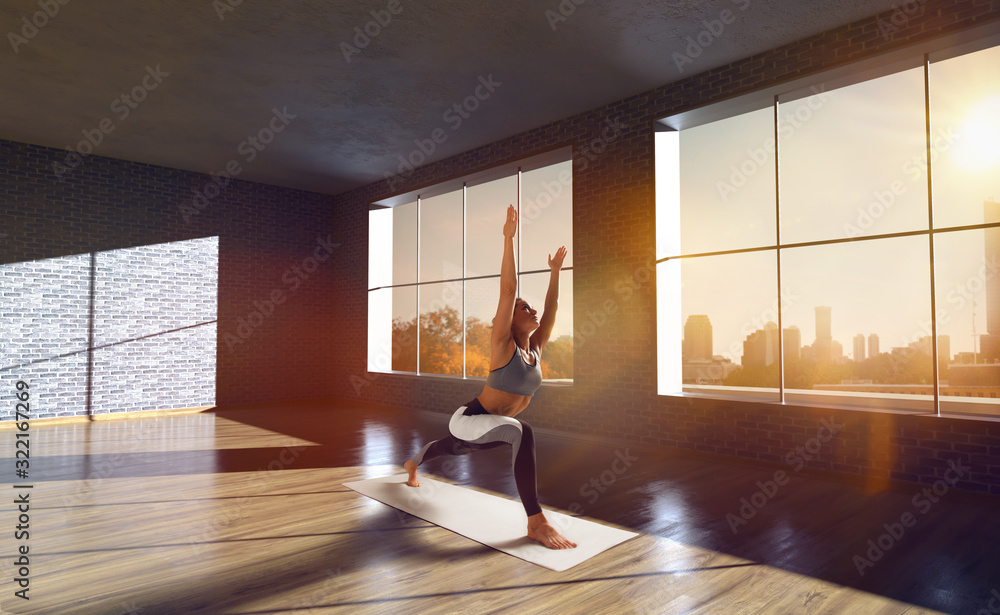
712	371
859	347
792	342
965	358
975	376
760	349
924	346
873	345
697	345
824	322
989	343
822	347
807	354
944	349
698	365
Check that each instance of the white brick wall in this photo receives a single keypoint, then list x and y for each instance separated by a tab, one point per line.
154	313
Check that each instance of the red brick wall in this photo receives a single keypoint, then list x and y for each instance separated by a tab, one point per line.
614	394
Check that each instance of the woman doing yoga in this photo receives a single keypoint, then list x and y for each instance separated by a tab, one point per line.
488	421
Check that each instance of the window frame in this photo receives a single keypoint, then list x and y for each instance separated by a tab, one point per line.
922	54
516	168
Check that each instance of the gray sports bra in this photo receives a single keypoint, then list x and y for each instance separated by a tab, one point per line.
517	376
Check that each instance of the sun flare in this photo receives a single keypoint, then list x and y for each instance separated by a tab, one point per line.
978	145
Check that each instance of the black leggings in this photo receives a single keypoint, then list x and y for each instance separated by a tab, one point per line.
472	428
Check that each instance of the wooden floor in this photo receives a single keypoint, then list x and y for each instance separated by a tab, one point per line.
244	512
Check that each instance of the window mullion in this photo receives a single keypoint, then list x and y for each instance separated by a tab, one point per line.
777	242
935	367
417	294
465	272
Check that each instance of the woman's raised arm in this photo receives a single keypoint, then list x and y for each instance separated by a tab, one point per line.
508	282
541	335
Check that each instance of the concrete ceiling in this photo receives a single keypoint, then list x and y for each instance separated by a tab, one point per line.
366	82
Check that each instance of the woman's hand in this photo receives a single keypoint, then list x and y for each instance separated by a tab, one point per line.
510	226
555	264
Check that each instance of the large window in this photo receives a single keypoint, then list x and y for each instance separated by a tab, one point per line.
434	268
837	243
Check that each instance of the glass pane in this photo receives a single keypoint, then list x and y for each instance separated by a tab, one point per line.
847	158
546	215
380	222
486	210
727	195
441	236
380	330
965	123
729	347
481	298
557	359
403	350
667	169
404	244
441	328
877	289
967	276
392	320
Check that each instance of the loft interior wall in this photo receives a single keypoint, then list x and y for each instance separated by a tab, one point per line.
268	241
614	393
312	342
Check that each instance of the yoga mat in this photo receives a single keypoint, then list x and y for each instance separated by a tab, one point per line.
496	522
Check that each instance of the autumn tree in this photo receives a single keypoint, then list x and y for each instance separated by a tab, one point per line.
441	347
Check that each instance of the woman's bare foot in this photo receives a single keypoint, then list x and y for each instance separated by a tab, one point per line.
411	469
539	529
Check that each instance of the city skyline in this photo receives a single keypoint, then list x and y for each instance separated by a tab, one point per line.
791	341
853	164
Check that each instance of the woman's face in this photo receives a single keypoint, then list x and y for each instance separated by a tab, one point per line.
525	316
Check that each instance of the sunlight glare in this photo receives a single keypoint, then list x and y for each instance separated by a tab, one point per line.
978	146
